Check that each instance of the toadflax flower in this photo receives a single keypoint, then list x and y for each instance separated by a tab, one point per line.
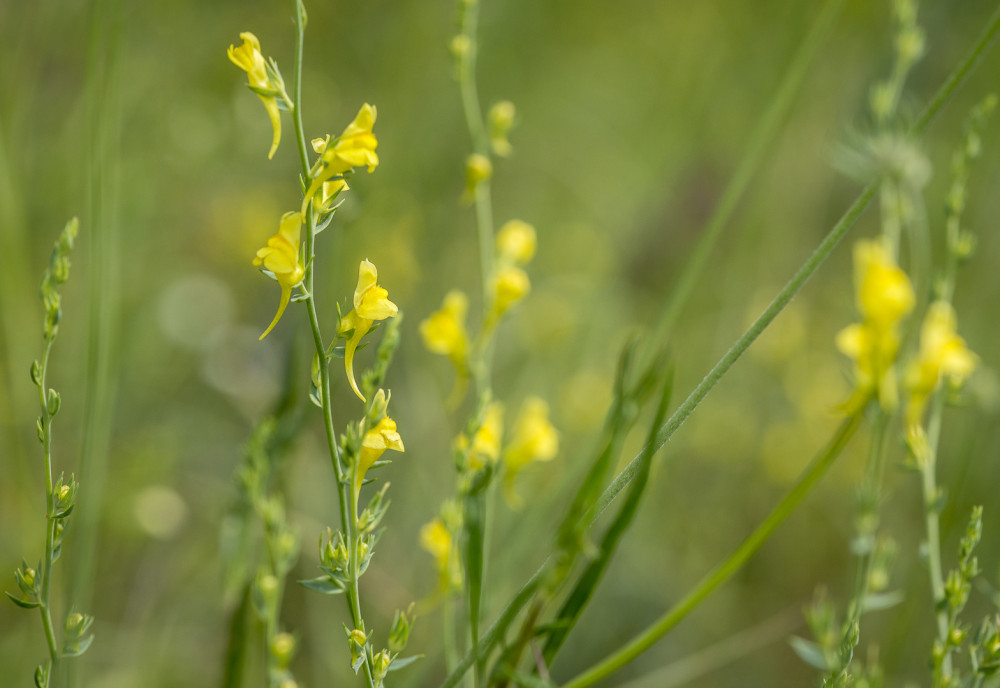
249	58
535	439
371	303
444	330
942	355
884	297
281	258
485	446
376	440
516	242
355	147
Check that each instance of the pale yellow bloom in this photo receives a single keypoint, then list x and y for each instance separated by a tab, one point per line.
371	303
884	297
281	258
942	355
534	440
355	147
444	330
511	284
485	447
478	169
436	539
249	58
375	442
516	242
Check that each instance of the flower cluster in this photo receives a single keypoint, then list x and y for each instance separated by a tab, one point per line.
884	297
515	244
355	147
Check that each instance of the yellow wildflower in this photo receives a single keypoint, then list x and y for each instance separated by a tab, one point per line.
383	436
942	355
511	284
436	539
516	242
355	147
371	303
884	297
535	439
444	330
249	58
281	258
485	447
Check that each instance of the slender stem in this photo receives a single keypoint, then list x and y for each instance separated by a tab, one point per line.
736	560
345	494
50	510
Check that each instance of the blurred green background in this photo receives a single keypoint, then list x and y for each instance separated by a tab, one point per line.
632	117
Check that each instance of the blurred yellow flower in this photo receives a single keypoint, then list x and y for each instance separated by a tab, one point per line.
884	297
355	147
478	169
511	284
485	447
436	539
535	439
501	119
516	242
942	355
371	303
249	58
444	330
281	258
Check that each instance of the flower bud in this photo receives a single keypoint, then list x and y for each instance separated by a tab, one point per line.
478	169
283	648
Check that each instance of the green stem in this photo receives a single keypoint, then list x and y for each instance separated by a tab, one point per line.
344	491
760	142
735	561
50	510
932	511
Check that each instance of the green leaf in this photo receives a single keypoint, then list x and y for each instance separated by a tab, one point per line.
810	653
324	584
23	604
398	664
41	676
78	648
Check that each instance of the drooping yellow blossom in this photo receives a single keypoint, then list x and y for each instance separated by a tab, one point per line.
535	439
511	284
355	147
381	437
501	119
485	447
281	258
249	58
943	355
884	297
444	330
516	242
371	303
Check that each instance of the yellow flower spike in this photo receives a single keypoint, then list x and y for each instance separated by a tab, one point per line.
281	258
516	242
355	147
535	439
444	330
249	58
942	355
371	303
511	284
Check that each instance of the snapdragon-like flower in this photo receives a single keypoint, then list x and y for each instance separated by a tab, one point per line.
436	539
444	330
371	303
281	258
943	355
355	147
510	285
534	440
516	242
485	448
249	58
376	441
884	297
